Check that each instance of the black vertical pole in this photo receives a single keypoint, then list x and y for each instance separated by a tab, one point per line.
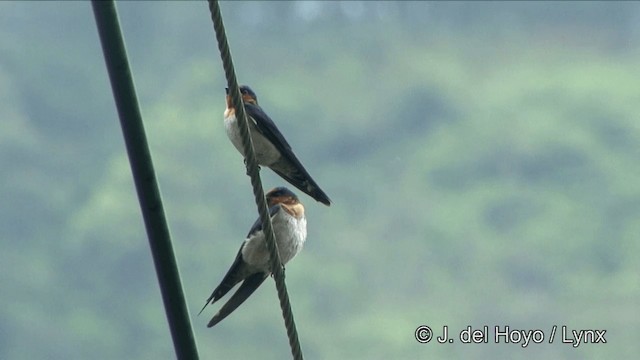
144	177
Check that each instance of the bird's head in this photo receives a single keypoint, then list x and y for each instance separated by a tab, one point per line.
248	96
281	195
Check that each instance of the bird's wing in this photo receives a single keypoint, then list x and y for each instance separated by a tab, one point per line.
245	290
291	169
300	178
233	276
268	128
237	272
257	225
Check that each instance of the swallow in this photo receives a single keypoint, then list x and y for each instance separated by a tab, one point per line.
271	148
251	265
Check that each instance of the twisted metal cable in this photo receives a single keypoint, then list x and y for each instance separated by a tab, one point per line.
253	171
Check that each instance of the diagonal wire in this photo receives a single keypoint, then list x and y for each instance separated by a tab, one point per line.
253	171
164	259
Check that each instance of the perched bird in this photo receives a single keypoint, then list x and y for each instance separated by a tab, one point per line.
251	265
270	146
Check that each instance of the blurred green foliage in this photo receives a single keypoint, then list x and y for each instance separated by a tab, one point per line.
482	157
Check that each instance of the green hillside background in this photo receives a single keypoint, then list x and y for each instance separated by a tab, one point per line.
483	160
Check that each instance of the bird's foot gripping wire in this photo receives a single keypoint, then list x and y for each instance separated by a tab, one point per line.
247	167
282	267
